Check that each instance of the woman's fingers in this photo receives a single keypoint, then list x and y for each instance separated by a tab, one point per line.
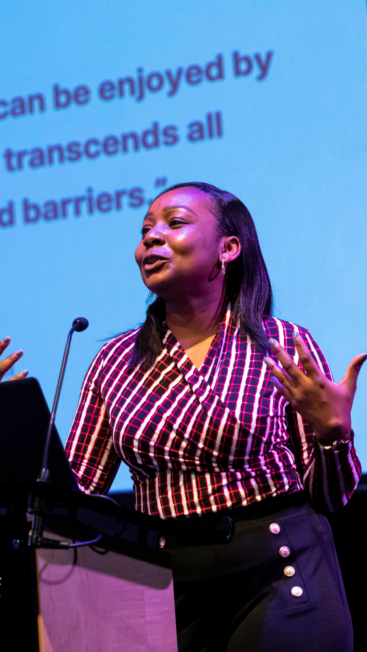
22	374
306	359
4	343
352	373
282	389
279	374
289	374
7	364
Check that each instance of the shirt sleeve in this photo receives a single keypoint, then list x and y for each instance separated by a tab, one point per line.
89	447
330	476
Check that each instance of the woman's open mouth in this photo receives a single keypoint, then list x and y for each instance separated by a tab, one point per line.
153	262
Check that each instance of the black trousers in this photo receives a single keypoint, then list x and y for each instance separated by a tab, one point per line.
276	587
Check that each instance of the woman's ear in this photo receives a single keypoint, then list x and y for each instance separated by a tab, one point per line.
231	248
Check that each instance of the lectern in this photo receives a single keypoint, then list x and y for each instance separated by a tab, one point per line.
111	596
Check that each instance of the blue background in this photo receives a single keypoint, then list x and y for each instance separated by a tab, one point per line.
294	150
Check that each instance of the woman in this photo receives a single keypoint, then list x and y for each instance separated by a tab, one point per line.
219	408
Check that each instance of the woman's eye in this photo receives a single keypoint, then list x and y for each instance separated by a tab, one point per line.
144	230
176	222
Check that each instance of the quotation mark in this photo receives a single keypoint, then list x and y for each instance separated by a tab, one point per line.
160	181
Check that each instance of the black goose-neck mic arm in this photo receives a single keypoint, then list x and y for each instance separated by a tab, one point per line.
35	536
79	324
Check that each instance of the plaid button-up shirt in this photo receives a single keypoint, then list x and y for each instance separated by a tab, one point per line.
200	441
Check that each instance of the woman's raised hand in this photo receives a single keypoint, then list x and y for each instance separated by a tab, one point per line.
324	404
7	364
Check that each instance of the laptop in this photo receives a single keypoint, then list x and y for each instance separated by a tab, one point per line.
24	418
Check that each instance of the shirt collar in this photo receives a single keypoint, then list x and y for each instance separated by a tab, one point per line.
217	348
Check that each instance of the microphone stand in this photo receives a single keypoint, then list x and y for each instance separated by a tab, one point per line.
36	503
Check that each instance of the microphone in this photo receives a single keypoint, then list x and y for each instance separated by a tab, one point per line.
79	324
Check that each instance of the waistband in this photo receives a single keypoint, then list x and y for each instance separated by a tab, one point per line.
218	527
267	506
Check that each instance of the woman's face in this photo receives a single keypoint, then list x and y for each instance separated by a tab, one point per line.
180	250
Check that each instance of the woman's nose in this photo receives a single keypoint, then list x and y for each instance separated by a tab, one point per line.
155	235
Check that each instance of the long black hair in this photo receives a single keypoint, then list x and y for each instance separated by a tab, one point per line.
248	288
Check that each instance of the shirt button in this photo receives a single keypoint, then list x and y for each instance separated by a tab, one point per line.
289	571
162	542
297	591
284	551
274	528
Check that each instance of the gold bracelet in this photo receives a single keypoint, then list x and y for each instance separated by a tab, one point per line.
335	444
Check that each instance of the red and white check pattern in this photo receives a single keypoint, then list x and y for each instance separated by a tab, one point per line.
199	441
